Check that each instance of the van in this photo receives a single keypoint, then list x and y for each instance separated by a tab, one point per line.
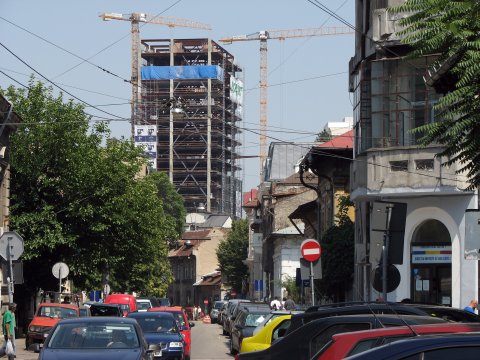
127	302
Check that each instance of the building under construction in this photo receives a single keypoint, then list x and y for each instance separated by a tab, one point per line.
197	146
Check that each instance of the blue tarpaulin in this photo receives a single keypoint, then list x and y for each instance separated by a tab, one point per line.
182	72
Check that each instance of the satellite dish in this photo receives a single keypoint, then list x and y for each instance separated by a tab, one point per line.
60	270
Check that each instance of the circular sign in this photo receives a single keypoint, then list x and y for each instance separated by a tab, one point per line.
60	270
11	245
311	250
393	278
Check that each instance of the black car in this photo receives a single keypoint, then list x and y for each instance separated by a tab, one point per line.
352	308
265	308
217	306
307	340
248	318
101	309
227	316
446	312
465	346
96	338
160	328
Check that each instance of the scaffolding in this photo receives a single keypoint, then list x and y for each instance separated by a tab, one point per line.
198	149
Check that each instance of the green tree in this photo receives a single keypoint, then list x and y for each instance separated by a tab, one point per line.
323	136
338	247
289	283
75	197
173	204
450	29
232	251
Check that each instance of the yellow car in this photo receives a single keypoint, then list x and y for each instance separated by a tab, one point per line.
274	330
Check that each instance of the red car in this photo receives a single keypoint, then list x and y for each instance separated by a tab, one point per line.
46	317
182	320
351	343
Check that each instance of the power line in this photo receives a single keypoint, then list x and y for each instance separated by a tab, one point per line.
65	50
71	86
115	42
53	83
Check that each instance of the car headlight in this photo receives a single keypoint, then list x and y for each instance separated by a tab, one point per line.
36	328
175	344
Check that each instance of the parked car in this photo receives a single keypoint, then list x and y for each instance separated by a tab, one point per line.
307	340
160	328
183	323
352	343
247	319
321	311
228	313
96	338
241	305
46	317
273	315
268	334
445	312
465	346
127	302
163	302
143	304
221	313
215	311
101	309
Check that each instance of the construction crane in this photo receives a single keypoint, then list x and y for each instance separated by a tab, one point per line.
263	36
136	19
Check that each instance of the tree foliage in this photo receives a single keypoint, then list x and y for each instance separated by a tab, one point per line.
76	198
338	247
450	29
323	136
232	252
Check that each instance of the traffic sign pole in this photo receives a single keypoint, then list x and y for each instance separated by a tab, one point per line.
311	251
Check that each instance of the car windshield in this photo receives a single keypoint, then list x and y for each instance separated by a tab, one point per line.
218	305
157	324
253	320
57	312
179	317
96	335
143	305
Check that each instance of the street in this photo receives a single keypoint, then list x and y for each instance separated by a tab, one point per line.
207	343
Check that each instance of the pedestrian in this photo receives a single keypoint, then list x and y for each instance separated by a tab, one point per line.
275	304
66	300
8	326
472	306
289	304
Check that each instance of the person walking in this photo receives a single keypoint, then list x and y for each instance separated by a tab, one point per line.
8	326
275	304
472	306
289	303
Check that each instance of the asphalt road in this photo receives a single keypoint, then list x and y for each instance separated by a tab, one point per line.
208	343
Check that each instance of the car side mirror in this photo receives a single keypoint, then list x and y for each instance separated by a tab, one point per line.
34	347
191	324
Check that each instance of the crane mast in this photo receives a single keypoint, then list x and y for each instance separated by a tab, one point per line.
136	19
263	37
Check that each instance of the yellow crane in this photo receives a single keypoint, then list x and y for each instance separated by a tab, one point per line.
263	36
136	19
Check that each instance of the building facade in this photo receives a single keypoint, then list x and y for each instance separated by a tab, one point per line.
390	100
190	102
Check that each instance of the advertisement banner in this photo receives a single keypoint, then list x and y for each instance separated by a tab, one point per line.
236	90
146	137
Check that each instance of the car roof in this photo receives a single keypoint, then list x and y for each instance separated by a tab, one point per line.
99	319
160	314
167	308
69	306
412	329
403	348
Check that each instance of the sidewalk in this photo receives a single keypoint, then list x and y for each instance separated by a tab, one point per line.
23	354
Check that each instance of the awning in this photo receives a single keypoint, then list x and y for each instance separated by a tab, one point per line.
300	211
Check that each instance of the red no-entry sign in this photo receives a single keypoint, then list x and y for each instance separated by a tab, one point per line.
311	250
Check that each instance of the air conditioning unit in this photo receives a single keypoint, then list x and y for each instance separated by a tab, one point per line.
383	24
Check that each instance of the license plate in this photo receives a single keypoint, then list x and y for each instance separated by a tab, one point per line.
157	353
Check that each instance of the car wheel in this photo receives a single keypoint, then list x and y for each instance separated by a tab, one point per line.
232	350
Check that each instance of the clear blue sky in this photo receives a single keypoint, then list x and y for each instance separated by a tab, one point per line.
303	94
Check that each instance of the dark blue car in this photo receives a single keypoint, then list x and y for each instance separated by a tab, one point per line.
87	338
160	328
